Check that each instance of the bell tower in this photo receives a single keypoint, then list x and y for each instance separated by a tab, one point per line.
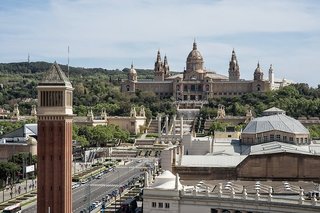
54	142
158	68
234	72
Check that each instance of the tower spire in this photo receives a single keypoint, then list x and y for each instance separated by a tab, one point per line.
234	70
271	76
194	44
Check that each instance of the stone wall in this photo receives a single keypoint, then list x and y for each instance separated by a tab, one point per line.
286	166
206	173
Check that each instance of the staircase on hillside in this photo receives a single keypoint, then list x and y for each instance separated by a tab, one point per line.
153	126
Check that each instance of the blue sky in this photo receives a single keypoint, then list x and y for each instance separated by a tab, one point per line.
113	33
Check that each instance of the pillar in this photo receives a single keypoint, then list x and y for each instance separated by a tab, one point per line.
167	126
181	127
159	125
174	126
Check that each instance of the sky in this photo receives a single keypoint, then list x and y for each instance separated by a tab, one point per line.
112	34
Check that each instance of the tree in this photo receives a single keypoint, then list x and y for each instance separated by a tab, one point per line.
8	171
218	126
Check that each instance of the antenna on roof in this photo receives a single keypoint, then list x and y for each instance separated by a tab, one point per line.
68	59
28	58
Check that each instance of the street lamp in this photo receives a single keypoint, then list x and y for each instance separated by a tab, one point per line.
115	198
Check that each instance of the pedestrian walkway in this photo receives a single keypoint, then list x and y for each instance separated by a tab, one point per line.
13	191
23	199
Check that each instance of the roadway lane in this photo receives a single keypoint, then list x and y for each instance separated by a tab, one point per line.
96	189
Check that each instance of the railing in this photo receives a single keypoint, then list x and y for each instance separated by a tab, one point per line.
207	192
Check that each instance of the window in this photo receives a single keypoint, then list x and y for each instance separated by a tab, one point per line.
271	137
291	139
259	139
167	205
284	138
278	137
265	138
306	140
160	205
297	140
154	204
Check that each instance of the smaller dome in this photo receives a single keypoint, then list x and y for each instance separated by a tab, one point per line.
258	69
132	70
31	141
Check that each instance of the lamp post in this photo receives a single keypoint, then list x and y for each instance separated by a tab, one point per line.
115	198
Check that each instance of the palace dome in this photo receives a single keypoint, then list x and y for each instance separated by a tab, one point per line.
194	54
194	59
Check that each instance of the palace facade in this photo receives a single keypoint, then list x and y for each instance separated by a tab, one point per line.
196	83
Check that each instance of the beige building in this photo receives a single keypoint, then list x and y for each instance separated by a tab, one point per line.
135	123
22	139
196	83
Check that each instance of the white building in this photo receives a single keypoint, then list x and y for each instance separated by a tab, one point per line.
167	194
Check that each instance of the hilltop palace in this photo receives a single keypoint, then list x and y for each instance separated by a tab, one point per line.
196	83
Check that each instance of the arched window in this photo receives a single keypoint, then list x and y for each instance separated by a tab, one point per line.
258	87
207	87
128	88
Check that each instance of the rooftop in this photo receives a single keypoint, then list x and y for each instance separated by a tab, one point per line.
278	122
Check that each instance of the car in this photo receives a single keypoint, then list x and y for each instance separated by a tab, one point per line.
98	203
98	176
139	161
84	181
75	185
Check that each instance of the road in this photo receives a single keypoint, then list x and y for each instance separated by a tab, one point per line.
96	189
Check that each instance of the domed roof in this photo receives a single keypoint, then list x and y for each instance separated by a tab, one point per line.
278	122
132	70
166	180
194	54
258	69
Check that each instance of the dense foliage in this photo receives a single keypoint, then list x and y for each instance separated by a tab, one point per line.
99	88
298	100
99	135
8	172
93	87
8	126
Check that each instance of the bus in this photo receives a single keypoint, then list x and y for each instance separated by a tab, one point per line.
16	208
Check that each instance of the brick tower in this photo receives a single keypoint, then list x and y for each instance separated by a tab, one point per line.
54	142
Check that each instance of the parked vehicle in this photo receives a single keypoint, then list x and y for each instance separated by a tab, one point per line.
312	194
